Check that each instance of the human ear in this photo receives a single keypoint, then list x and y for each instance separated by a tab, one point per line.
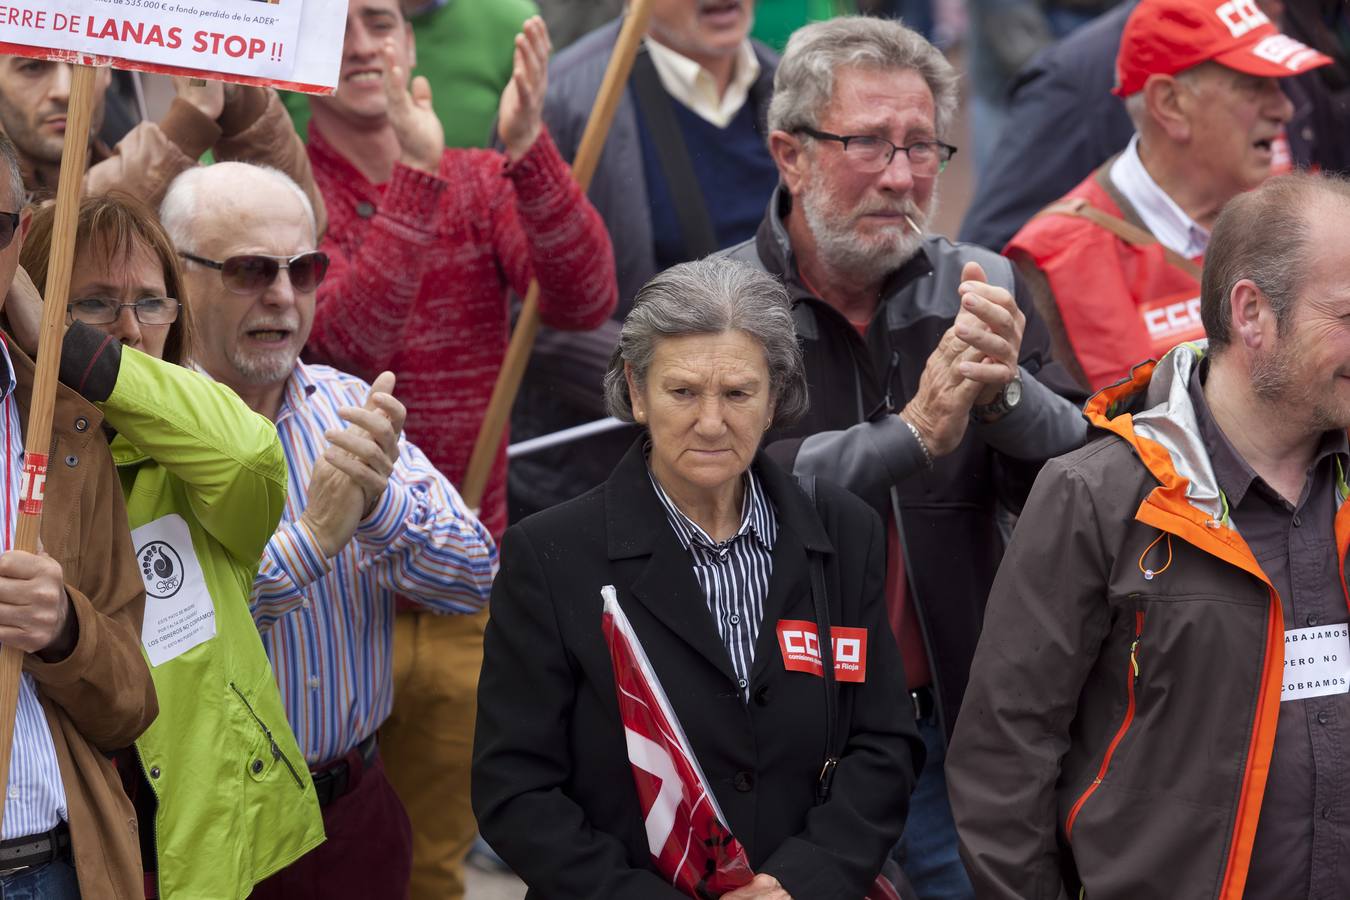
1253	320
788	154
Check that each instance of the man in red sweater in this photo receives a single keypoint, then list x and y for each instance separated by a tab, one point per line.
426	244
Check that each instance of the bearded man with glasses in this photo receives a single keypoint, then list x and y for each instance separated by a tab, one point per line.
930	373
368	518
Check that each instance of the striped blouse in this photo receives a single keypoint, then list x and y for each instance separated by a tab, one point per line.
328	625
734	573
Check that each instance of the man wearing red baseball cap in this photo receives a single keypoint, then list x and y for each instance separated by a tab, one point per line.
1115	263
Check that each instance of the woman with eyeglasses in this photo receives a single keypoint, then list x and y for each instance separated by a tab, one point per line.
220	787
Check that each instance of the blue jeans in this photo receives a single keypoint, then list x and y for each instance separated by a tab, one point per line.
53	881
927	850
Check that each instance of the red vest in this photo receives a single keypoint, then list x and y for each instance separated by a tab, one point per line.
1121	302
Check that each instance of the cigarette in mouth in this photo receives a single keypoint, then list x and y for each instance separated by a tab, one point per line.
917	229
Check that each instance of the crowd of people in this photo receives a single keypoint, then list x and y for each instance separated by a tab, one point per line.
1074	486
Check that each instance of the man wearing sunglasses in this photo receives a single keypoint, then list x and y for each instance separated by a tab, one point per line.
368	518
75	609
232	121
927	364
426	245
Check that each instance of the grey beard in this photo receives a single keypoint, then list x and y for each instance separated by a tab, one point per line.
841	250
262	371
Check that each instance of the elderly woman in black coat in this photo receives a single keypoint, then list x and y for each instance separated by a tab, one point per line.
709	546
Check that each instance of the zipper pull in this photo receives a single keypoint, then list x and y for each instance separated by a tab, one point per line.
890	375
1134	660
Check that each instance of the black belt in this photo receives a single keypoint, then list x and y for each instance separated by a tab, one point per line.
21	853
333	780
924	702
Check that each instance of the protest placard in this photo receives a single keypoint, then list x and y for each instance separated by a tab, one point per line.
295	44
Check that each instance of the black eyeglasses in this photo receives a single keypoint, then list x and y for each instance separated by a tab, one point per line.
102	311
9	226
871	154
254	272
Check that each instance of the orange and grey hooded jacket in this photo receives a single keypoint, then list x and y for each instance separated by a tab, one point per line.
1118	727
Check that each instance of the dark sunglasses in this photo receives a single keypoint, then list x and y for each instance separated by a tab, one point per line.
254	272
9	226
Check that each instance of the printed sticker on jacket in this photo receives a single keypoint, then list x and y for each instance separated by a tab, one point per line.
179	613
800	643
1316	662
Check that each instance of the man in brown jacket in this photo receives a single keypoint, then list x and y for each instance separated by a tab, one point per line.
1160	700
75	609
235	122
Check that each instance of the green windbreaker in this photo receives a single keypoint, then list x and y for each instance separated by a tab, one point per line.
205	484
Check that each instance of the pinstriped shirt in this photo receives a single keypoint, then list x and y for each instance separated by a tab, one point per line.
328	625
734	573
35	798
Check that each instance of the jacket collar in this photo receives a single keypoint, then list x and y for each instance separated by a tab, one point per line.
636	522
651	563
1152	411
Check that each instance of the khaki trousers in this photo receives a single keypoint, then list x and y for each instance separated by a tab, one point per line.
427	742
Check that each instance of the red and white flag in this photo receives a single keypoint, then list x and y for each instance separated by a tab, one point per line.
686	833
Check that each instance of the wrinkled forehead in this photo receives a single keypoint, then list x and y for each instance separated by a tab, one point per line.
261	218
880	97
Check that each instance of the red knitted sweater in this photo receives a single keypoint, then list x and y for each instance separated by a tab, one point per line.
418	285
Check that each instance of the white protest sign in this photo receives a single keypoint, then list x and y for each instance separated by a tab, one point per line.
1316	662
295	44
179	613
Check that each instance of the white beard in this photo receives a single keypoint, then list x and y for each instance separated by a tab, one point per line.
841	249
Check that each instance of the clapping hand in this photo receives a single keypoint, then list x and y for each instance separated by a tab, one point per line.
353	472
521	115
421	138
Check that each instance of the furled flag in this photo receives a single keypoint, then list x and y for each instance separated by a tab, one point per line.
687	835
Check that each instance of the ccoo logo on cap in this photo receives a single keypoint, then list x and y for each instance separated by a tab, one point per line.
1164	37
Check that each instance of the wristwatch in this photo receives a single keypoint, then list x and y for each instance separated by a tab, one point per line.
1004	403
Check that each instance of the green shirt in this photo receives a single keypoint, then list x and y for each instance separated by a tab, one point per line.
466	49
775	20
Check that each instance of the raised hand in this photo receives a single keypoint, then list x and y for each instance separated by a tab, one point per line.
940	408
352	473
520	117
370	441
991	322
205	94
421	138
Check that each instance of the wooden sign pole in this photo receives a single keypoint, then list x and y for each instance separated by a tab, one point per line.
38	443
527	324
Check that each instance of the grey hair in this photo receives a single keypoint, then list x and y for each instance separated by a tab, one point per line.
1136	104
184	201
9	159
711	296
804	83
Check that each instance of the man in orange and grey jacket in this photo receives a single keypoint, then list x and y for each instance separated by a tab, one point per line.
1159	701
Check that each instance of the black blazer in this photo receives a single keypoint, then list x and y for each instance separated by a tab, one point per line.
552	787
